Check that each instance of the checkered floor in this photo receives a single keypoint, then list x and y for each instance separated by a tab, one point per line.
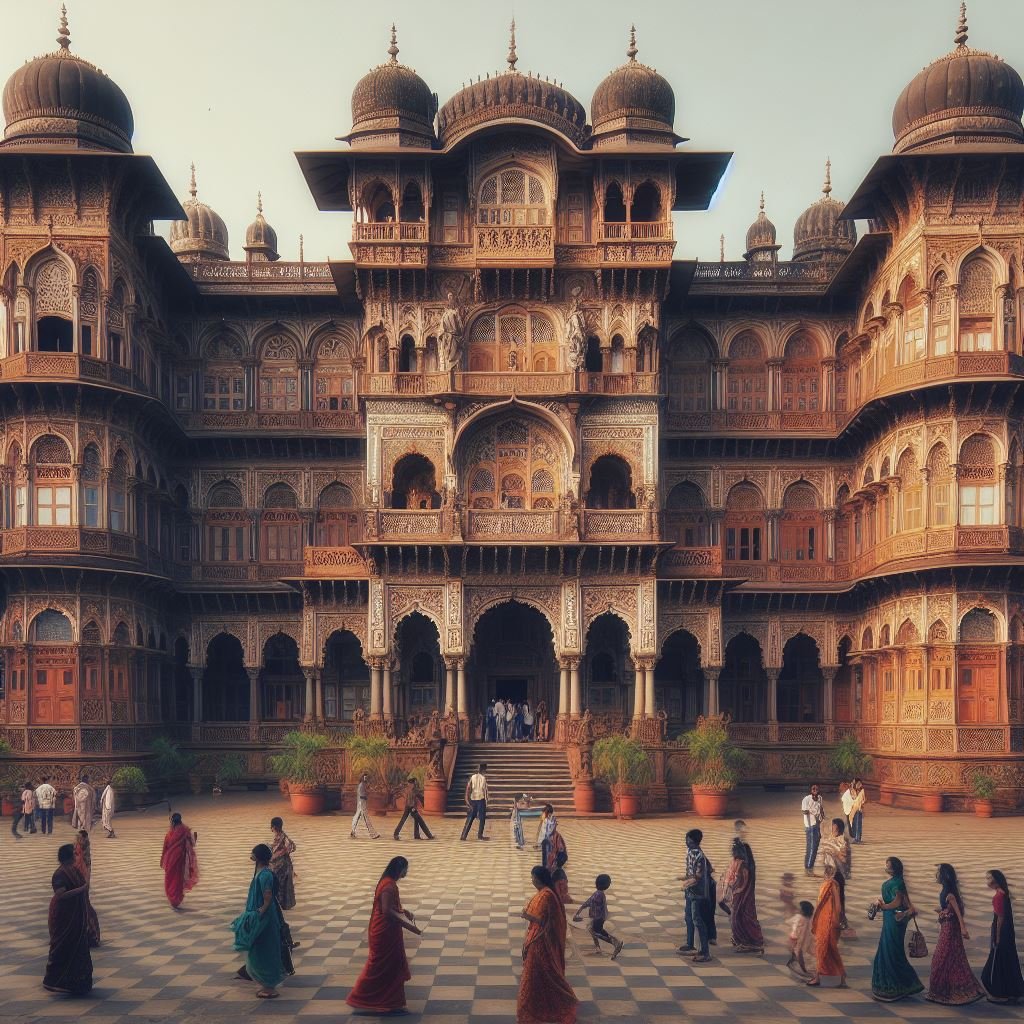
158	965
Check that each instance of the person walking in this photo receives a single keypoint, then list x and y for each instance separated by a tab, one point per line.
361	815
46	799
746	930
801	939
596	904
951	980
412	799
476	802
836	850
860	798
108	802
813	810
698	891
892	975
499	721
179	861
69	964
490	731
83	864
281	850
826	925
26	811
1001	974
84	797
380	987
527	722
510	721
258	929
548	830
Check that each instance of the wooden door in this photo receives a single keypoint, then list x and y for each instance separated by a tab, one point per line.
53	693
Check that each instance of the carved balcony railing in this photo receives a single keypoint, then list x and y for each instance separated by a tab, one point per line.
333	563
430	383
390	232
689	563
69	366
281	277
346	420
428	524
620	524
515	244
621	383
771	421
88	542
515	383
512	382
637	231
513	524
236	572
775	272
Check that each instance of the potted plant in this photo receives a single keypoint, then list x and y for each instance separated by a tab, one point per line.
170	764
848	759
230	769
626	767
716	764
297	765
373	755
10	791
131	780
984	787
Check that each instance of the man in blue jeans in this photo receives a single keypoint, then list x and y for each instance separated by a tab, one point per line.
697	886
813	810
46	798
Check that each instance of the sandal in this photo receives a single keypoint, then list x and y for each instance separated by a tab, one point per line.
269	994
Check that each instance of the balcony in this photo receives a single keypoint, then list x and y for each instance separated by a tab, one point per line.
513	524
406	383
691	563
515	245
390	244
428	525
69	366
515	383
343	563
281	277
638	231
40	541
303	420
621	383
620	524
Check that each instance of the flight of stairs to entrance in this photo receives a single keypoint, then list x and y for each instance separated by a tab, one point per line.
540	769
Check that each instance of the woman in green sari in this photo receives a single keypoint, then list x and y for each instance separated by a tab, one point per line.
892	976
258	930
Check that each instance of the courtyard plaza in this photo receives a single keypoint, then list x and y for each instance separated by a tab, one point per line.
158	965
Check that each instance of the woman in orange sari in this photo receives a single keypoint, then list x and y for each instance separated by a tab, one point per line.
381	986
545	996
827	923
181	868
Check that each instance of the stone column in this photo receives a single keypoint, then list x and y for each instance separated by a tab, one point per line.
196	671
463	705
773	696
308	673
773	515
386	689
254	694
828	673
829	516
574	687
563	689
649	703
450	695
318	681
639	691
711	673
376	687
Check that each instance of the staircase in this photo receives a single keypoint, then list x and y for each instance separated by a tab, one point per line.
540	769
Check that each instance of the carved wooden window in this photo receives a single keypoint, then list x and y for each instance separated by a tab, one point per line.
748	377
940	478
978	488
801	531
281	525
515	463
227	525
689	374
977	692
279	376
744	525
91	487
333	386
576	217
224	379
53	506
910	494
513	340
801	374
51	479
686	517
941	310
913	334
976	301
513	197
450	218
88	310
337	522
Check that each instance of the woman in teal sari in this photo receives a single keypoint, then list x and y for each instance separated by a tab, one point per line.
892	976
258	930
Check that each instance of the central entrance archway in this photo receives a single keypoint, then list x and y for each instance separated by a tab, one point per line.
513	657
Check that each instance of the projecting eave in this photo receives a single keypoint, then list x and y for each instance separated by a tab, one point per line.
867	253
680	277
344	274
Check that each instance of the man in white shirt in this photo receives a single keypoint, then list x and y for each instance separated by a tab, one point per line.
107	806
476	801
85	805
27	811
361	815
46	797
813	809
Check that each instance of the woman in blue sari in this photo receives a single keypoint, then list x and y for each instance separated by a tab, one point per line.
892	976
258	930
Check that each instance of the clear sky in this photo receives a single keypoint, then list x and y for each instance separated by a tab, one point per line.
239	85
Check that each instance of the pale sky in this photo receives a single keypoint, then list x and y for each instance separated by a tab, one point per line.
239	85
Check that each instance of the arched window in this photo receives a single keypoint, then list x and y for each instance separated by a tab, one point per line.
227	524
646	205
800	695
912	301
51	627
378	203
513	197
941	309
414	483
281	525
801	532
940	477
686	516
744	524
977	678
224	378
88	311
116	325
976	303
337	522
117	493
978	486
514	339
748	378
801	374
411	210
91	474
911	512
51	481
614	206
406	354
611	484
742	683
19	497
279	375
53	308
689	372
513	462
333	385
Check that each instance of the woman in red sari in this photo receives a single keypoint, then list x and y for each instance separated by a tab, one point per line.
83	864
545	996
181	868
380	987
69	965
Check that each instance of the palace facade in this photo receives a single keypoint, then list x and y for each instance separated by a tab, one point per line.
514	447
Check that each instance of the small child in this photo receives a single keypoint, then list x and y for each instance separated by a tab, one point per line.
561	880
801	941
597	905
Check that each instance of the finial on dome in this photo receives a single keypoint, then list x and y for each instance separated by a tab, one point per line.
259	202
63	32
961	29
761	207
721	248
302	251
192	183
393	48
827	187
632	51
512	58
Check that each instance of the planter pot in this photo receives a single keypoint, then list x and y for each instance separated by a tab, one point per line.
10	806
282	785
627	803
983	808
710	803
932	803
584	797
435	797
307	799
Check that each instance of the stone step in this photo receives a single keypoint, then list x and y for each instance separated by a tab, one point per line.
539	769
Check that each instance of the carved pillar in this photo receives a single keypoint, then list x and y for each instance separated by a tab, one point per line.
955	488
450	684
649	702
774	384
773	515
308	673
716	516
463	706
639	690
563	689
828	384
829	515
574	687
386	690
376	687
254	694
954	317
711	673
773	699
196	671
719	369
828	674
318	682
999	339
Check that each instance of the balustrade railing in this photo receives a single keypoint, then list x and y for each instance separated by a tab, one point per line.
407	524
620	524
389	232
217	272
621	383
611	231
304	419
333	563
505	243
508	524
69	366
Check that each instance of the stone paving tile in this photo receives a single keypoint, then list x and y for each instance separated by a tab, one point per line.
160	966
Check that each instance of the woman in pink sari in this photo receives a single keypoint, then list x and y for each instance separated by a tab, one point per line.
181	869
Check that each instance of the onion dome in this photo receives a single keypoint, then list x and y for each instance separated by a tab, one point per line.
967	96
62	100
260	237
818	232
512	96
761	238
203	235
392	105
635	101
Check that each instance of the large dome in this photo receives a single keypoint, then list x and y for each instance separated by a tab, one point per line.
511	95
203	235
965	96
61	100
392	99
634	98
818	232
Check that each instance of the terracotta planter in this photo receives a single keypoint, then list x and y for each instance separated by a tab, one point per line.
307	799
584	797
9	807
932	803
282	785
983	808
710	803
627	802
435	797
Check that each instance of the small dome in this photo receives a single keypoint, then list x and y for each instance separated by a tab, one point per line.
392	98
818	231
260	237
61	100
634	98
966	96
514	96
761	237
203	235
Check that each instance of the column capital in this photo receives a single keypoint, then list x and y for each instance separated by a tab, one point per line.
569	662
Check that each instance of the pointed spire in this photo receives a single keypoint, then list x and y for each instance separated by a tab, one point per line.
961	29
302	250
259	202
761	207
512	58
827	187
393	48
192	183
721	248
63	32
632	51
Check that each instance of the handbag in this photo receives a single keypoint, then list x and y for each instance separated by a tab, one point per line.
917	948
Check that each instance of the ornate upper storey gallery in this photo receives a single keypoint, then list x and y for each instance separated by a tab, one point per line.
513	447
